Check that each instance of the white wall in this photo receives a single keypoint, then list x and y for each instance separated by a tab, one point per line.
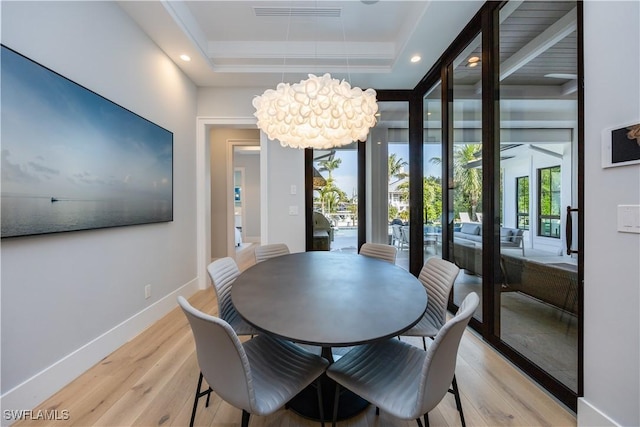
612	275
526	163
70	299
229	102
285	170
251	194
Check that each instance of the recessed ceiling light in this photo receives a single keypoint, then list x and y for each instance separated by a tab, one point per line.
185	58
416	58
472	64
474	59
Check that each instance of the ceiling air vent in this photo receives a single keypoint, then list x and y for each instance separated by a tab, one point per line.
321	12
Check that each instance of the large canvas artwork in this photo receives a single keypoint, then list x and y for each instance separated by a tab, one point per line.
73	160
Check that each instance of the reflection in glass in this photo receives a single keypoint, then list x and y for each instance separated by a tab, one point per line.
538	141
466	151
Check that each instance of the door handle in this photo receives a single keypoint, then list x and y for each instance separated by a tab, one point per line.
569	230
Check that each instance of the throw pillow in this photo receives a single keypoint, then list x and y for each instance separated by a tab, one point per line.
470	228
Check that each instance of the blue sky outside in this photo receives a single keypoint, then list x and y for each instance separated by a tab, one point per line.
346	175
59	139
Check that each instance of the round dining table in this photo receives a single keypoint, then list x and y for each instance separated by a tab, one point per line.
329	299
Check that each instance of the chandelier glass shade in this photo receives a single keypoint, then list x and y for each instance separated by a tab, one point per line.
320	112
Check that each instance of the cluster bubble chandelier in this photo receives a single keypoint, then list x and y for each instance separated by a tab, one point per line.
320	112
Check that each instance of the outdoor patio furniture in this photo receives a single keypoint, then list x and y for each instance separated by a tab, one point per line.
322	232
396	234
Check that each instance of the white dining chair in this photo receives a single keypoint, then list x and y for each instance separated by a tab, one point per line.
399	378
258	376
380	251
266	252
437	276
223	272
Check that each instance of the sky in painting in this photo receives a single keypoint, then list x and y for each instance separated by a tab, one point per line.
62	140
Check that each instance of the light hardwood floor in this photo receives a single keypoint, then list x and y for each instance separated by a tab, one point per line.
151	380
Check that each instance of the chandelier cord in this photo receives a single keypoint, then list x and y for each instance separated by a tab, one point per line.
346	49
315	47
286	45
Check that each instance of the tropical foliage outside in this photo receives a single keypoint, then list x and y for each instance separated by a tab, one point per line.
467	181
333	201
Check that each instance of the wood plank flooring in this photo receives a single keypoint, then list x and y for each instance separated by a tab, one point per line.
151	380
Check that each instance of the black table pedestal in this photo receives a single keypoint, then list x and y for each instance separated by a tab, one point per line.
305	403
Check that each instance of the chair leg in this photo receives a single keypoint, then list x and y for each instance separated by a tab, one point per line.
377	410
456	394
320	403
245	418
424	344
208	397
336	401
419	422
426	419
197	397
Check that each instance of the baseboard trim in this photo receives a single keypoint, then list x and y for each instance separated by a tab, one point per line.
44	384
590	416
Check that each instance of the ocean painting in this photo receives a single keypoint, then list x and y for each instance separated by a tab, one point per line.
73	160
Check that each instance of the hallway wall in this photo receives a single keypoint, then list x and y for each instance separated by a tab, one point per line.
611	272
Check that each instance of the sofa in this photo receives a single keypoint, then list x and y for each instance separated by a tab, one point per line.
552	283
470	232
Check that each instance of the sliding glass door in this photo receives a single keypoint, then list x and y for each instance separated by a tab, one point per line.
510	120
539	163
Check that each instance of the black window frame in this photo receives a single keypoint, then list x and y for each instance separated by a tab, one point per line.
519	213
543	217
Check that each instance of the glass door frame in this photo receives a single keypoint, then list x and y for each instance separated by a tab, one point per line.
308	196
486	22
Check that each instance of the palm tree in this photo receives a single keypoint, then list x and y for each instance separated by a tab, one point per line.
330	197
396	168
467	180
329	166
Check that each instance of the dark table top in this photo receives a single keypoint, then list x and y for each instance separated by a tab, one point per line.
328	298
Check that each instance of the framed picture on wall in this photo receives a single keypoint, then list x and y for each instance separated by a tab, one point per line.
74	160
621	145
